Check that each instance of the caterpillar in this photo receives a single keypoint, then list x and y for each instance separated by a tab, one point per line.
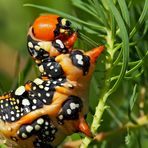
42	112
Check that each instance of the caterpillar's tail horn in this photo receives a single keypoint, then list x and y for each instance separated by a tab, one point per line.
94	53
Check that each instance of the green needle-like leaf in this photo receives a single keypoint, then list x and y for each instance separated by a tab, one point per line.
125	12
133	98
102	29
141	19
79	4
125	44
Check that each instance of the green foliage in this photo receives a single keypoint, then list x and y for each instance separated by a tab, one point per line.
121	73
2	146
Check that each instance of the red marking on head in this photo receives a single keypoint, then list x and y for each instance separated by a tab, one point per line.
71	40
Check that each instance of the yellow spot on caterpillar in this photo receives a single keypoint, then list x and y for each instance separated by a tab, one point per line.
16	107
37	47
13	99
62	30
45	45
63	21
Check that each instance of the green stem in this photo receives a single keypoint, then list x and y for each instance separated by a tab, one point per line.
102	100
97	119
98	114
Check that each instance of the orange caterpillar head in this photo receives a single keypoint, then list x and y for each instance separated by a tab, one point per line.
50	27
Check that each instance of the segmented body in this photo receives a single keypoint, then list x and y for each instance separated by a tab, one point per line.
42	112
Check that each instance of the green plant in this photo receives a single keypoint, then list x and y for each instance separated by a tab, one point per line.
120	81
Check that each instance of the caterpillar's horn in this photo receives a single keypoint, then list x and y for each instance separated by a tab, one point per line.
94	53
83	127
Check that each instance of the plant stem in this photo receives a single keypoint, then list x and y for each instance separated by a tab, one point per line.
96	120
104	95
98	114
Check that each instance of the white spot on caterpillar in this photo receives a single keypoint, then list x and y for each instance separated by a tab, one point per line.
54	82
48	94
17	101
60	43
38	81
6	116
79	58
60	79
77	105
40	121
49	64
34	107
39	94
29	128
37	47
72	106
46	88
46	127
46	123
30	45
41	86
20	91
12	118
25	102
51	67
68	111
3	117
37	127
48	82
32	95
44	101
12	112
55	70
17	115
45	55
61	117
34	87
24	135
6	105
34	101
41	68
2	106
